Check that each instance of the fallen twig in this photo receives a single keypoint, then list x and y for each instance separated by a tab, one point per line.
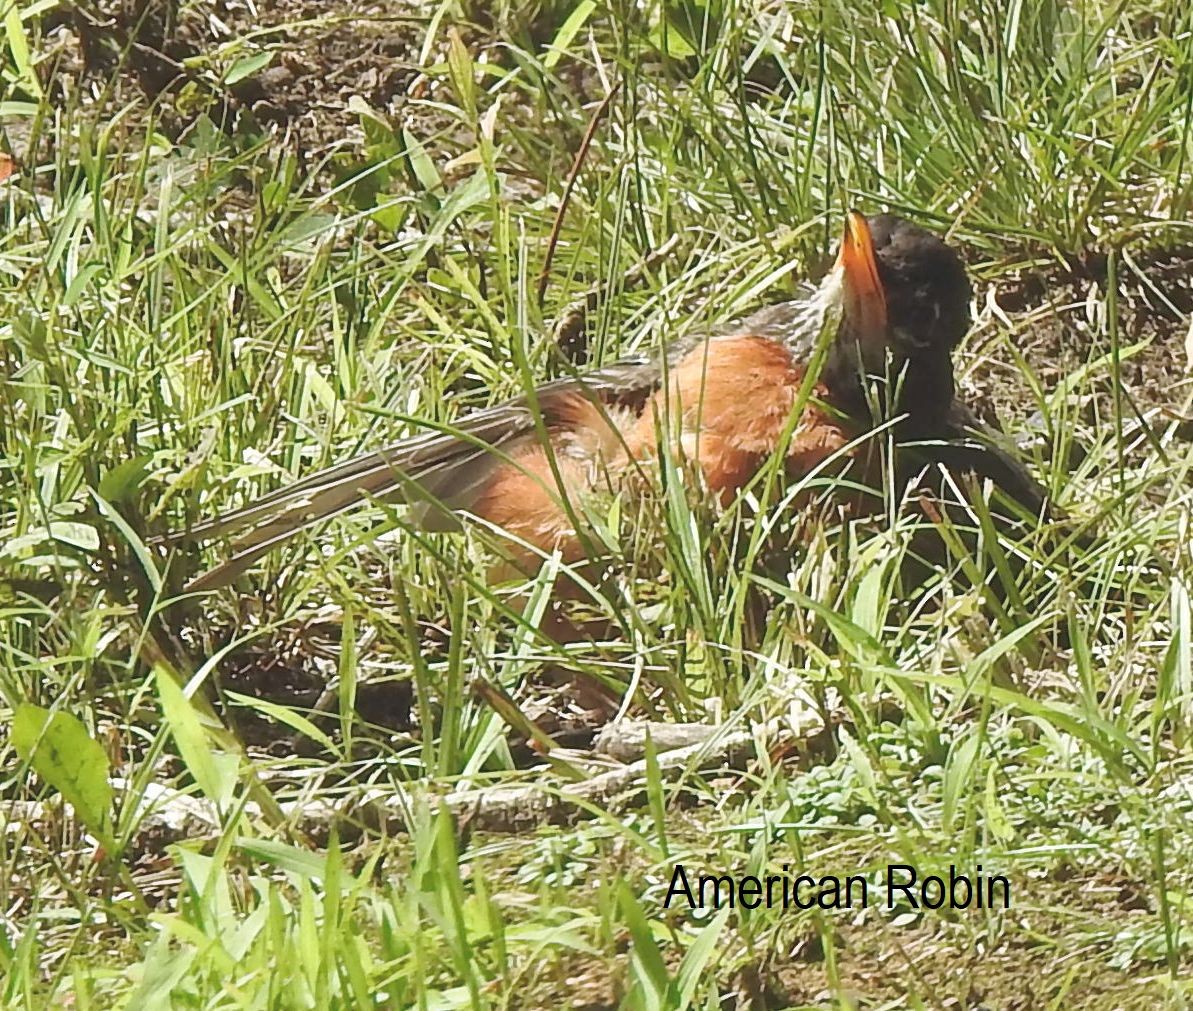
520	808
167	815
573	173
570	323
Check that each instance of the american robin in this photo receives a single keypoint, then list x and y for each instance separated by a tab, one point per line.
895	304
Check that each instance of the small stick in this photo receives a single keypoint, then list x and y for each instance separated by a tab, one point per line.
570	322
573	173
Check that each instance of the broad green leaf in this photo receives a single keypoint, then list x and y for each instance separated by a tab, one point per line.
80	282
669	41
292	860
461	71
421	164
247	67
78	535
18	46
122	481
62	752
957	775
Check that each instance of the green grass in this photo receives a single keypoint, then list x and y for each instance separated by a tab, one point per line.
191	317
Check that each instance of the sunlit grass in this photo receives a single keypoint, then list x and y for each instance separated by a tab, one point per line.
190	318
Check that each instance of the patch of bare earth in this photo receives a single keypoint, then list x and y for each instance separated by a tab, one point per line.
1057	323
178	55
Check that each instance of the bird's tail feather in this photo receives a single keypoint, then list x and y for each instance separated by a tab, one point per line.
975	446
437	475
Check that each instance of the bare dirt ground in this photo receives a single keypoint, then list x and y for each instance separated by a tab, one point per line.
1057	337
371	52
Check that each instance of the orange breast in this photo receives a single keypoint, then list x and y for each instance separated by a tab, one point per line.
724	407
727	405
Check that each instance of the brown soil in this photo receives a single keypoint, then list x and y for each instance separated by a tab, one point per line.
1055	336
178	55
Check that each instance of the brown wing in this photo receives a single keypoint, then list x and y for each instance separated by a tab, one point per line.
438	473
457	467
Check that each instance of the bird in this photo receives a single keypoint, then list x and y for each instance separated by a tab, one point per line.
895	303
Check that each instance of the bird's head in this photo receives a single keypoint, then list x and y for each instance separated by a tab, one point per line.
904	303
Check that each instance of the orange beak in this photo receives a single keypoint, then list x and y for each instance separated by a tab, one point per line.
864	301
